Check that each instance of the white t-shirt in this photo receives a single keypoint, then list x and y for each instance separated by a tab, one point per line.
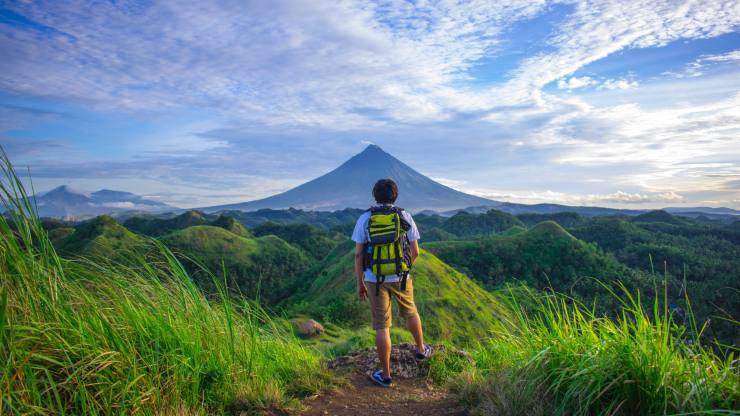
361	236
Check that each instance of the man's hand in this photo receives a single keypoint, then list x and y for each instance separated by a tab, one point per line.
362	291
361	288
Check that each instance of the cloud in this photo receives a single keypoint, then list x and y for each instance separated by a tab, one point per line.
452	183
619	84
724	57
119	205
698	67
286	63
549	196
597	29
575	82
315	63
25	147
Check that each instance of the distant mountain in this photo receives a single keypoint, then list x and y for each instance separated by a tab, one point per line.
350	186
726	215
66	202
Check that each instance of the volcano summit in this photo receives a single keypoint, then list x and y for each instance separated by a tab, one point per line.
350	185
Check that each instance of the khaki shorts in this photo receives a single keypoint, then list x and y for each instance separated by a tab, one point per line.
381	305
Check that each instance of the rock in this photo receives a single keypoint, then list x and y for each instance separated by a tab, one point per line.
307	327
403	361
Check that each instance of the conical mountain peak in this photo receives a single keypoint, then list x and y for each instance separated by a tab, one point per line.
350	186
64	189
373	148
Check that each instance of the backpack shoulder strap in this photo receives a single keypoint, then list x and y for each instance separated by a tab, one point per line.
404	224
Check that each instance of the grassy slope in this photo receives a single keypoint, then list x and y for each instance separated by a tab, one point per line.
452	306
265	265
82	337
561	359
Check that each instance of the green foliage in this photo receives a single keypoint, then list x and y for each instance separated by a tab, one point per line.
438	234
156	226
321	219
232	225
543	256
565	219
98	337
313	240
465	225
60	233
266	267
659	216
101	237
337	341
703	260
562	359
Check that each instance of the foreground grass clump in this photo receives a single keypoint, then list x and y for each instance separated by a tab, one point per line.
563	359
90	337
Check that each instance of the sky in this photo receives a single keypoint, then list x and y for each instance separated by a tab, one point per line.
631	104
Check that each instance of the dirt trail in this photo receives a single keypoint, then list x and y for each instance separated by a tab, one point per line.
412	393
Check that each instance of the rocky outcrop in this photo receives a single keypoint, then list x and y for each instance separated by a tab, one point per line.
403	363
307	328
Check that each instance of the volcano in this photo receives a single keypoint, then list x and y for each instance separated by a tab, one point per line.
350	186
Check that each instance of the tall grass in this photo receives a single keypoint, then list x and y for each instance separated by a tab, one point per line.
97	337
564	359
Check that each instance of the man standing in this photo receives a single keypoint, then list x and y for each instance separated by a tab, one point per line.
386	247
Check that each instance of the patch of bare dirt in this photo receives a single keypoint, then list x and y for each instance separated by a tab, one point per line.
412	394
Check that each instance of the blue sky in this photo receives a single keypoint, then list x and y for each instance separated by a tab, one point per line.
610	103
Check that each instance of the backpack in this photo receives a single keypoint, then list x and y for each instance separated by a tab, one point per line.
388	252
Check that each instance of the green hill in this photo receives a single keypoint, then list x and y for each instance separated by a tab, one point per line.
321	219
659	216
100	237
565	219
156	226
231	224
452	306
266	266
437	234
544	256
315	241
466	225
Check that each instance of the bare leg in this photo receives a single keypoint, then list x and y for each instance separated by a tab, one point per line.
413	324
383	343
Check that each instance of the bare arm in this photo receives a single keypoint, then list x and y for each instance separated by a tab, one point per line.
360	270
414	251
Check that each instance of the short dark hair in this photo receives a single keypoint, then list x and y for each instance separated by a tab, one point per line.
385	191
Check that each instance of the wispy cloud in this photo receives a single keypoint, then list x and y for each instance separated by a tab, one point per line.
548	196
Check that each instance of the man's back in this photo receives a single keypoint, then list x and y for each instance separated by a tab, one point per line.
361	235
386	234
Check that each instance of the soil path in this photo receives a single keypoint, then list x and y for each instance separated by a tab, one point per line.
412	393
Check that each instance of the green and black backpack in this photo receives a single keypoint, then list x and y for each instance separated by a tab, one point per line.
388	252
